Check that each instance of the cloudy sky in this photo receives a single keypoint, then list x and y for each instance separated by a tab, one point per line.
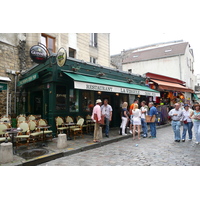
130	23
148	22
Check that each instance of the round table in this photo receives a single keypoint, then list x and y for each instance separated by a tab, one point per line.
43	128
12	132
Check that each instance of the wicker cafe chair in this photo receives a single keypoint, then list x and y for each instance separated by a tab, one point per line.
90	123
47	132
23	137
31	117
35	134
60	125
69	119
3	134
78	128
21	118
5	118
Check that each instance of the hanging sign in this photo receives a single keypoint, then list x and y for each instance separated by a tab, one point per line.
38	54
61	57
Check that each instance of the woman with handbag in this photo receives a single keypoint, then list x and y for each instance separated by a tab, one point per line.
187	122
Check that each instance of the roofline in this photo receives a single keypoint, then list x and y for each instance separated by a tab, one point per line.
180	54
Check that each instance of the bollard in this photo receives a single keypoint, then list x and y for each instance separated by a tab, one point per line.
62	141
6	152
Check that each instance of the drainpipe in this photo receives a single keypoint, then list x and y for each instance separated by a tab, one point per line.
180	67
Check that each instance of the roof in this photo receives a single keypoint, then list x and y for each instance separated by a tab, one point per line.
155	53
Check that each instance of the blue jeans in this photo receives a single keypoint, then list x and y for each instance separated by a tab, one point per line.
176	128
144	126
187	127
197	130
153	129
107	123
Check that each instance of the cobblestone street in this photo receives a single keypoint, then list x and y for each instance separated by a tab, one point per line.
161	151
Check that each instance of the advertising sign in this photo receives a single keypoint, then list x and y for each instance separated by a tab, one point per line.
38	54
61	57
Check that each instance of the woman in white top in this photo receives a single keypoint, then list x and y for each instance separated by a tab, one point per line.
136	120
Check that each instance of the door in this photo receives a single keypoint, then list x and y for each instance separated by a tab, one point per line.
38	103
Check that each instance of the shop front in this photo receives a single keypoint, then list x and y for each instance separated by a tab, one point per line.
171	91
73	88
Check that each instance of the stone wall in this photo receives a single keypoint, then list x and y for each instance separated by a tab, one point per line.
9	60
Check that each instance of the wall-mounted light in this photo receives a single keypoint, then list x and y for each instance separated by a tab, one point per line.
99	92
117	94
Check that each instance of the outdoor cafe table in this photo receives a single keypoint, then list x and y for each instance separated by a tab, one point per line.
12	132
43	128
69	124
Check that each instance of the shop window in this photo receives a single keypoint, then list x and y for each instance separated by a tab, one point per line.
88	101
72	53
93	60
49	42
93	39
73	100
60	97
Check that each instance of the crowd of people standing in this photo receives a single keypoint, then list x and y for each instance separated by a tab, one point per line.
136	118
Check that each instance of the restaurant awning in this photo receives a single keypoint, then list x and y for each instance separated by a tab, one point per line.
163	85
101	84
28	79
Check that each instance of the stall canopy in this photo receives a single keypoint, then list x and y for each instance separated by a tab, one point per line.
163	85
107	85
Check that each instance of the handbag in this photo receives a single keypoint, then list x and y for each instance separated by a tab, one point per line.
185	122
101	121
148	117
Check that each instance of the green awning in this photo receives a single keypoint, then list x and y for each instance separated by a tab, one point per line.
28	79
101	84
3	86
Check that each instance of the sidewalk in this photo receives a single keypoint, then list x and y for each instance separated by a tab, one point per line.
73	146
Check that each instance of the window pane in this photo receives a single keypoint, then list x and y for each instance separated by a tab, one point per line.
88	101
51	44
60	97
43	40
73	100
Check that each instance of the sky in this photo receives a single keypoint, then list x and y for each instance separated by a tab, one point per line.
174	20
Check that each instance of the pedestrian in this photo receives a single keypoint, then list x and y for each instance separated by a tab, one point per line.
144	110
176	114
152	113
196	117
106	110
96	116
187	122
136	120
130	112
124	115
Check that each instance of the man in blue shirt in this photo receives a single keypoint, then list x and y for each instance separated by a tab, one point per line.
152	112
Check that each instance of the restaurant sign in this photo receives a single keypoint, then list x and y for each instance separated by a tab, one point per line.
28	79
109	88
61	57
38	54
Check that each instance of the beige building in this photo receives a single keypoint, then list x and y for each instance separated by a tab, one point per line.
14	57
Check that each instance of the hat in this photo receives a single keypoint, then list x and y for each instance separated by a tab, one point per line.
98	101
186	105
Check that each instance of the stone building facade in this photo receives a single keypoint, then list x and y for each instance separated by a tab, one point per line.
14	57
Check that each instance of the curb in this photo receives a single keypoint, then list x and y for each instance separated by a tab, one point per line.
53	156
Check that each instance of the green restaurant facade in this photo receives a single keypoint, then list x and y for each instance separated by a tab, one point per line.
71	90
